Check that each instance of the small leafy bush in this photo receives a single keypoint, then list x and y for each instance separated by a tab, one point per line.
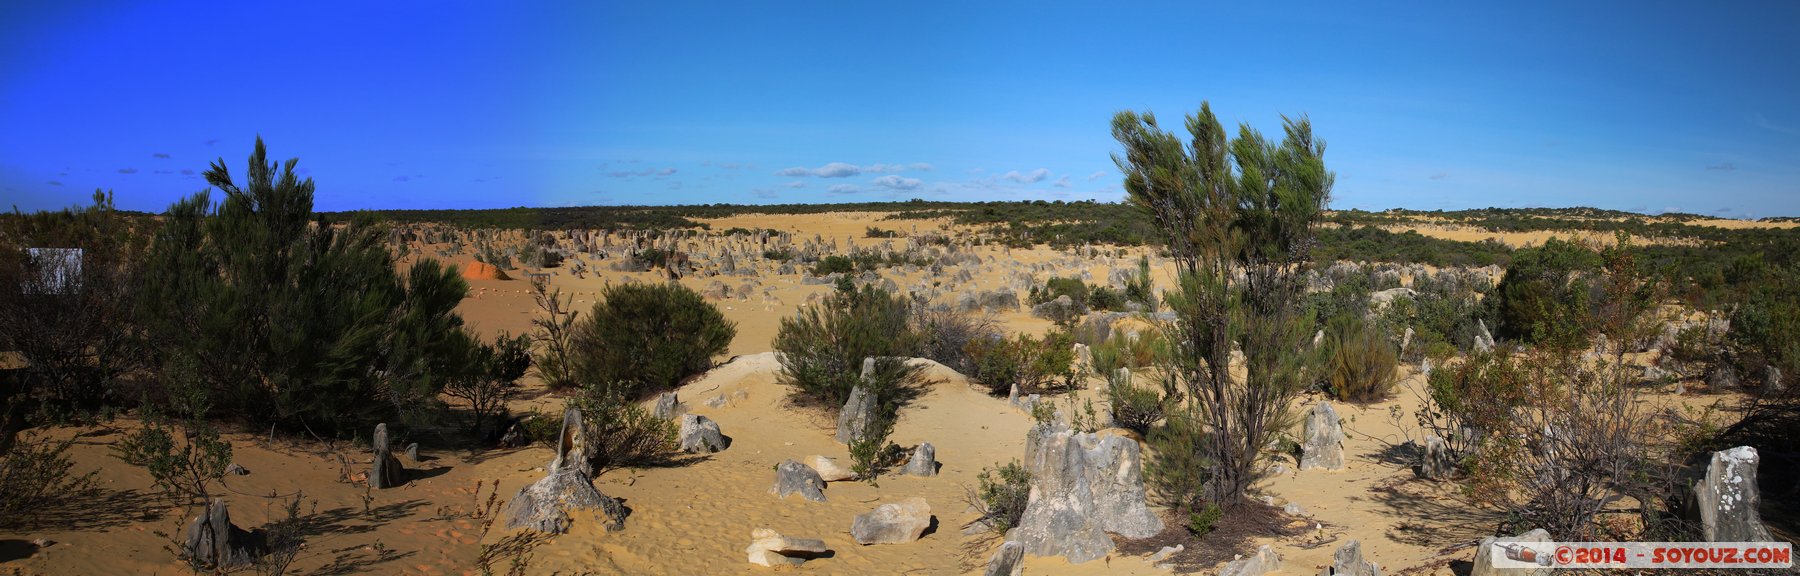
1074	288
1178	473
35	478
620	433
1035	365
1134	407
823	346
646	337
872	454
490	377
1202	522
1000	495
834	264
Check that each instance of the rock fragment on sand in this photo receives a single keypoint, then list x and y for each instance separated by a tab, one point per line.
700	435
412	452
235	469
388	471
1009	560
892	523
1264	561
923	461
544	505
769	548
1324	447
1348	561
213	542
666	404
829	470
795	478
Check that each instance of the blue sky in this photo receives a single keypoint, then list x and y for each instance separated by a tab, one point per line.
1646	106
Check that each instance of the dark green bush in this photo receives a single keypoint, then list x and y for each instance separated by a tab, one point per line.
947	335
1104	298
1360	362
490	378
1202	522
822	346
834	264
648	337
1141	289
1178	472
1074	288
872	454
1545	297
1134	407
1036	365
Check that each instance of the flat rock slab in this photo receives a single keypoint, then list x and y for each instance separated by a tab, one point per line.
893	523
769	548
829	470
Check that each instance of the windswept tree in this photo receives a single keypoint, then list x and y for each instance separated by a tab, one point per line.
1238	216
289	318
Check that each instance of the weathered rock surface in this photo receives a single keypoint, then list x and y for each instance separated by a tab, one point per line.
412	452
545	505
1436	463
700	435
795	478
1009	560
1082	487
1324	446
388	471
666	404
859	410
769	548
1484	340
1264	561
829	470
1484	559
213	542
235	469
1348	561
892	523
923	461
1727	499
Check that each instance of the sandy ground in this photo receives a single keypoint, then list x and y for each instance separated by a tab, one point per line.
697	518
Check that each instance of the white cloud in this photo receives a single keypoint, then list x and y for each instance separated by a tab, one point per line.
1062	182
1096	175
796	184
1032	177
846	170
893	182
843	189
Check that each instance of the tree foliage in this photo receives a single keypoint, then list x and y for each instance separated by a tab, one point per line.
647	337
1238	216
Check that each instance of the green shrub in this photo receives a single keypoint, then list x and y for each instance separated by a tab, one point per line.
1035	365
1202	522
1360	364
875	232
822	347
1545	296
1074	288
647	337
490	378
872	454
1104	298
1141	289
1470	400
185	455
834	264
1179	470
1000	495
947	335
620	433
36	479
1134	407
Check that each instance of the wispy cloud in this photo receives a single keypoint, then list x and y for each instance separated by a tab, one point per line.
1031	177
846	170
162	155
54	183
187	172
1439	176
1764	123
212	141
644	172
893	182
843	189
128	170
402	178
1062	182
1725	166
1096	175
766	193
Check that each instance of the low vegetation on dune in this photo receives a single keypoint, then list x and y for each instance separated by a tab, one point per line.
1212	336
